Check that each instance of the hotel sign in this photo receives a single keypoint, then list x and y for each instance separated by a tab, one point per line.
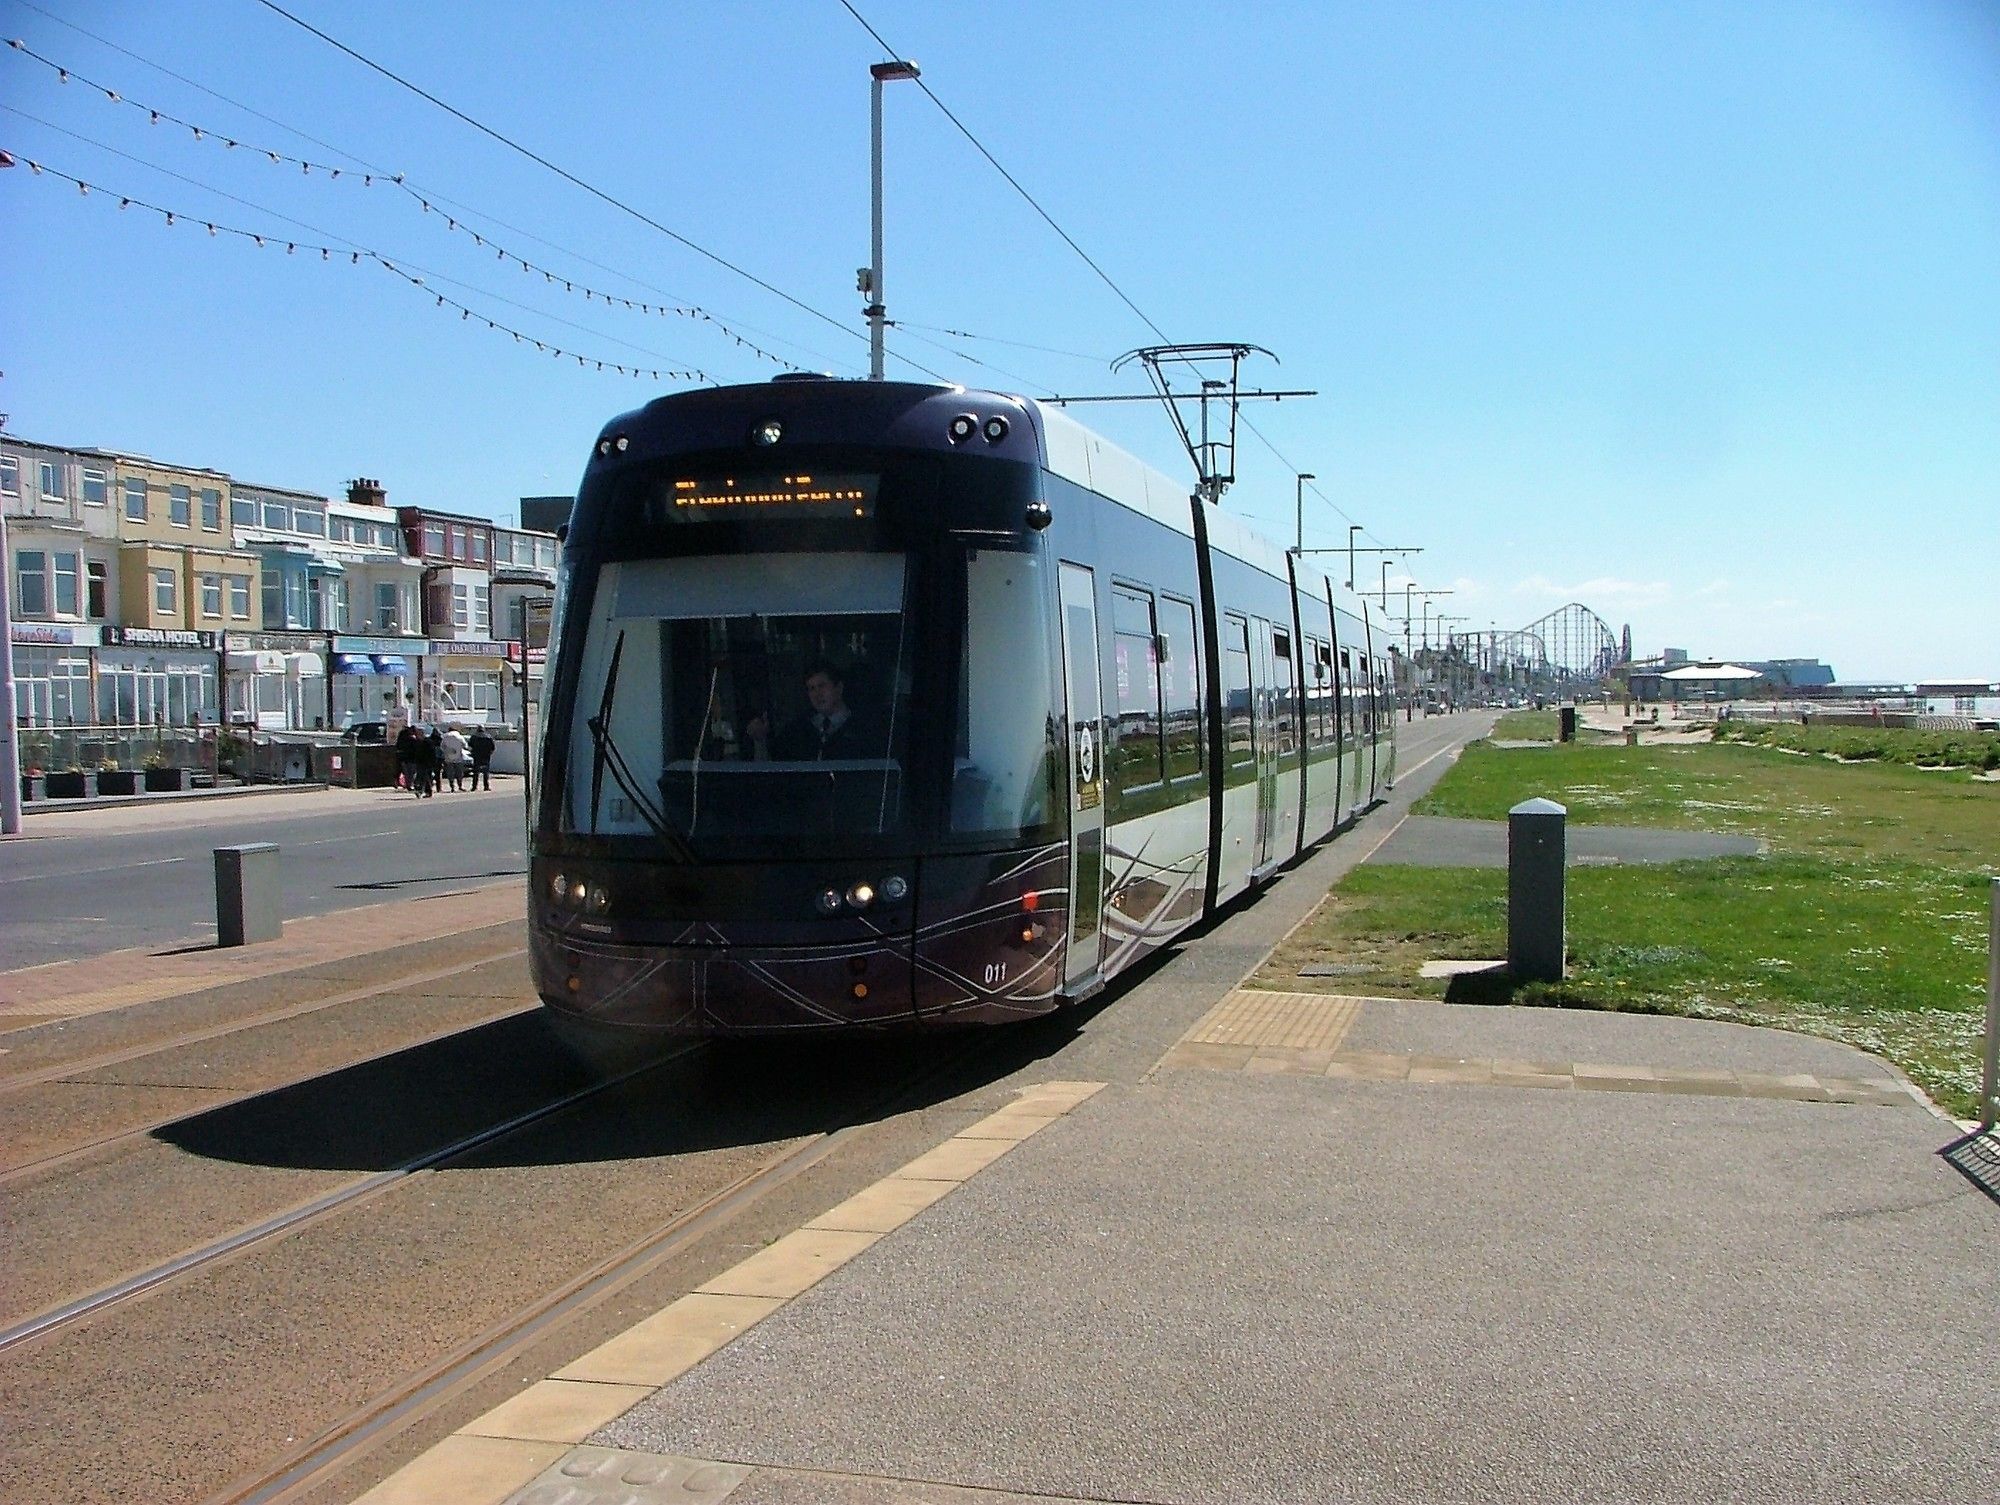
158	637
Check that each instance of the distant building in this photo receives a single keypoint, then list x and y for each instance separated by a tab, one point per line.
1960	697
1791	673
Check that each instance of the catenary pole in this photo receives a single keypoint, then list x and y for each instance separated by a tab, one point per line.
879	74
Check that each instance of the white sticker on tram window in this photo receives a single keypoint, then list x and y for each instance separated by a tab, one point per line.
1086	755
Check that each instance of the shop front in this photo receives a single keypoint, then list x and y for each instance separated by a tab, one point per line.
277	681
468	682
157	676
373	678
52	674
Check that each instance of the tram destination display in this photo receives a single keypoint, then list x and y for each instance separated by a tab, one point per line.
741	495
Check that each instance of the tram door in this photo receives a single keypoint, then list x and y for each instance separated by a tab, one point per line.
1264	737
1084	701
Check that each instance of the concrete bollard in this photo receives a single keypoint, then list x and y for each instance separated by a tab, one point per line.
1631	736
1535	850
248	904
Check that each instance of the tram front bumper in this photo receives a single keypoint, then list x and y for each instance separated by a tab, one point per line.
715	990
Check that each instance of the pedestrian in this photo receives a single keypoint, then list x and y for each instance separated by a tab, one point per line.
433	761
480	746
457	758
408	758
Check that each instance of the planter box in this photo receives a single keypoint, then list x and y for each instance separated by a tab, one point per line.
65	786
118	781
27	787
164	778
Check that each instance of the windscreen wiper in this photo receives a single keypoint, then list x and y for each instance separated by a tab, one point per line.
607	756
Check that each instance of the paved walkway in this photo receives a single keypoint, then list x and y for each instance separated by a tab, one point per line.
1242	1278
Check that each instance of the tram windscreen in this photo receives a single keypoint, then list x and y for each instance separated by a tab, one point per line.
743	705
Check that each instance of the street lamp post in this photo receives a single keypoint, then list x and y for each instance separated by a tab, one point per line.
1352	529
1385	585
1299	499
879	73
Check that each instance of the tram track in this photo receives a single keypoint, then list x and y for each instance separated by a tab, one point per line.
43	1164
57	1071
290	1478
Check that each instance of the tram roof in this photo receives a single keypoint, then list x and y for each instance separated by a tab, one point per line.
1081	455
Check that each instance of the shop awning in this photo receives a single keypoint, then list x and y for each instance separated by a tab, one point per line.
263	661
390	663
353	663
306	665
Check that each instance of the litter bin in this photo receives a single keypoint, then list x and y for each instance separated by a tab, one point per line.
1567	717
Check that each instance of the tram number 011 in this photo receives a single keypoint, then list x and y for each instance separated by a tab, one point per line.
996	972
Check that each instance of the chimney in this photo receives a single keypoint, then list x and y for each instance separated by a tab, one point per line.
364	492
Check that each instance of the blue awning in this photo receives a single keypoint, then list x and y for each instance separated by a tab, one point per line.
390	663
353	663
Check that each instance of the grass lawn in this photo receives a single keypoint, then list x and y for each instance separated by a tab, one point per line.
1867	922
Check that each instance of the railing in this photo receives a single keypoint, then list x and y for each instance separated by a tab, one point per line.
54	749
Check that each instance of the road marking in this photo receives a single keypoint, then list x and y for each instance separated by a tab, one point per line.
84	872
361	836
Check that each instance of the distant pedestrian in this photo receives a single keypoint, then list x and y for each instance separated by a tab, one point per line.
480	746
457	758
409	757
433	762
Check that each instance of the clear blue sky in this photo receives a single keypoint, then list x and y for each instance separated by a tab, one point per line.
1687	311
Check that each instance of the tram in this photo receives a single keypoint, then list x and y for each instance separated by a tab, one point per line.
888	705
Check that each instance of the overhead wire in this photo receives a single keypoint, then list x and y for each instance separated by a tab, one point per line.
571	178
1067	238
282	125
397	180
354	251
980	147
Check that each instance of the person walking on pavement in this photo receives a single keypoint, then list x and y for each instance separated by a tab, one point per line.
409	756
457	758
433	762
480	746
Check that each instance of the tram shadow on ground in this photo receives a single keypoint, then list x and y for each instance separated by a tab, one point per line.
384	1113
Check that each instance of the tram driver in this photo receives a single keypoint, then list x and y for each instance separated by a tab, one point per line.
831	729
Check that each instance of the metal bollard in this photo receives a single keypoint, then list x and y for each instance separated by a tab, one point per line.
1566	723
248	904
1535	849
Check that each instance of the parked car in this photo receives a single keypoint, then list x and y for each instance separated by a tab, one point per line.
365	731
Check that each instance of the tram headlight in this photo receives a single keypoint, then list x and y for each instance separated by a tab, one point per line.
996	429
828	903
767	433
895	888
600	899
861	895
962	428
559	888
580	893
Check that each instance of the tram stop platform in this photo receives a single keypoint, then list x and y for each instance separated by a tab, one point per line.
1285	1248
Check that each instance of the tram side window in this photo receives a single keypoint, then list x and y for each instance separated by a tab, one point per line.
1135	754
1288	693
1353	711
1005	783
1319	693
1239	746
1180	689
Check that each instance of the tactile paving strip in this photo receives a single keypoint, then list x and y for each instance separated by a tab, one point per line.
1277	1021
